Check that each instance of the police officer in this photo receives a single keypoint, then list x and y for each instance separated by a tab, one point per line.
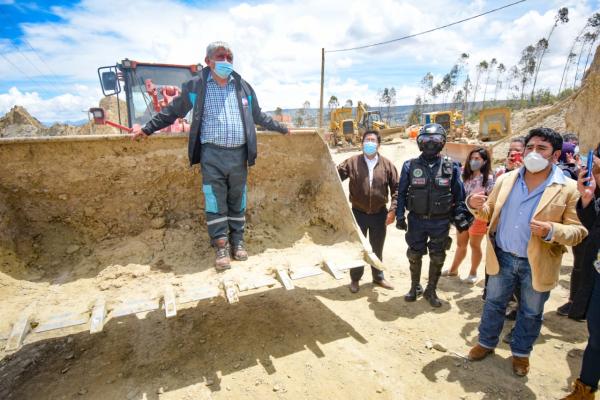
431	190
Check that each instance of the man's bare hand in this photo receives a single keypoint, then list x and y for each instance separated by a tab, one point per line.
477	200
391	217
138	134
540	228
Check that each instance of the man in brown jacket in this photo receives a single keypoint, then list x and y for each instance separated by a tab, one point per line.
372	178
532	217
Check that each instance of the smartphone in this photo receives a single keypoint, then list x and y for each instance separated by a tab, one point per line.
590	164
517	157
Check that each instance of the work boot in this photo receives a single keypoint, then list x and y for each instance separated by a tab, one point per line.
383	283
435	270
478	353
415	276
222	254
239	252
415	290
520	365
580	391
354	287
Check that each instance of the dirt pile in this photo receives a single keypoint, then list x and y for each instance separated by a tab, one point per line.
583	114
19	123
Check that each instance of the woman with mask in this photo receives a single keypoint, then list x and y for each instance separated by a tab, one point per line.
476	179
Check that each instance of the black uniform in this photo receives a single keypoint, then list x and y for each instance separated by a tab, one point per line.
431	190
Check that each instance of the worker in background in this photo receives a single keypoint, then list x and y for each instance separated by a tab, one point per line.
373	179
223	141
431	190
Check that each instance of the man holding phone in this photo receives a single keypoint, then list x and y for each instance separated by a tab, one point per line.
528	254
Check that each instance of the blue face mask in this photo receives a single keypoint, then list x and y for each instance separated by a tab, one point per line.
223	69
370	148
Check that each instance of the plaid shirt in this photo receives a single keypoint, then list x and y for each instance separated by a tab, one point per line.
221	121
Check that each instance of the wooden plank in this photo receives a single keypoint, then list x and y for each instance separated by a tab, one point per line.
19	330
98	316
285	279
62	321
256	283
169	302
198	293
131	306
231	291
333	269
345	265
305	272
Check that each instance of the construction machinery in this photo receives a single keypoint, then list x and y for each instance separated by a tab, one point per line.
368	120
494	123
343	127
97	229
452	121
148	87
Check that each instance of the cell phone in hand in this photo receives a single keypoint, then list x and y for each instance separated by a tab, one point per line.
590	164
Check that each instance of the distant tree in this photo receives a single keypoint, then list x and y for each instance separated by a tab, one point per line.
333	102
500	70
309	118
489	69
388	97
592	22
562	16
527	67
426	85
481	68
568	64
299	118
348	103
415	115
278	111
591	39
467	86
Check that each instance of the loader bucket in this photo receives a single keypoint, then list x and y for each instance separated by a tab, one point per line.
494	123
94	228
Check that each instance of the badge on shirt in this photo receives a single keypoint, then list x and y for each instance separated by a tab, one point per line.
417	172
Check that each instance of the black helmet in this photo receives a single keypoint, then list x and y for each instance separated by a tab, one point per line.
431	139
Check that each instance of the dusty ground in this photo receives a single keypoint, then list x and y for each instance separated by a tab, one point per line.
315	342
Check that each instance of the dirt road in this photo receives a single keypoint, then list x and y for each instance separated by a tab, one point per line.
315	342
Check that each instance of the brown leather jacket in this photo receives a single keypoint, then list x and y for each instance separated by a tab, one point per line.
370	199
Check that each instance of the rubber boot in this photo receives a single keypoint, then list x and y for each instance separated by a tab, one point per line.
435	270
415	276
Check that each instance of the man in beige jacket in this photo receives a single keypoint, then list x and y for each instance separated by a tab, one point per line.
532	217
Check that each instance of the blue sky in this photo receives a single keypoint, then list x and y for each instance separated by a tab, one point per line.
51	49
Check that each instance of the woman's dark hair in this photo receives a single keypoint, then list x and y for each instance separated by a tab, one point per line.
485	169
548	135
376	133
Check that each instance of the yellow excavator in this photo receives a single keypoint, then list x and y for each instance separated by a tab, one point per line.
451	120
343	127
494	123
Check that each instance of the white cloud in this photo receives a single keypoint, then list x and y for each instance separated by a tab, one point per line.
278	45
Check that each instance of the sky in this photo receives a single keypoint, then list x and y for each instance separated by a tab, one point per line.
50	50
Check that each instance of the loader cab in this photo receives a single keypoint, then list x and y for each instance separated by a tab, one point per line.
148	87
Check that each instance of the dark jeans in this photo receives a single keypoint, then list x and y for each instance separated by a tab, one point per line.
224	174
500	288
590	368
374	226
582	282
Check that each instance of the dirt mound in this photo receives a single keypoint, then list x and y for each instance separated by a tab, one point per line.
583	114
18	122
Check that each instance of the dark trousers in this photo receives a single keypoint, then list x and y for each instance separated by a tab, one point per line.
582	282
224	175
374	226
590	368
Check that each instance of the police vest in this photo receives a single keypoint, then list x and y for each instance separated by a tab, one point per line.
430	194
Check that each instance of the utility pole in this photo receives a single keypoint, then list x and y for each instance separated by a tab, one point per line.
322	82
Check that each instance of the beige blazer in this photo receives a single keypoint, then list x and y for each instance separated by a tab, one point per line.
556	206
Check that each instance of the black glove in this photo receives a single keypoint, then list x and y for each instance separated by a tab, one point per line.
401	224
462	222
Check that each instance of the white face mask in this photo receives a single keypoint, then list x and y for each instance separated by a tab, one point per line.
534	162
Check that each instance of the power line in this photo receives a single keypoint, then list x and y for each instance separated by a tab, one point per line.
15	66
428	31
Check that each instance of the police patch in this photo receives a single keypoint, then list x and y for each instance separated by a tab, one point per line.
443	181
419	181
417	172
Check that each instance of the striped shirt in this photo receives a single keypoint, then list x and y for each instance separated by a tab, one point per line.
221	121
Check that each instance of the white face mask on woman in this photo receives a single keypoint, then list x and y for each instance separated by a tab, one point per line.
535	162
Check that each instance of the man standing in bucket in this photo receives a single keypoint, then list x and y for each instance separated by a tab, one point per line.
223	140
